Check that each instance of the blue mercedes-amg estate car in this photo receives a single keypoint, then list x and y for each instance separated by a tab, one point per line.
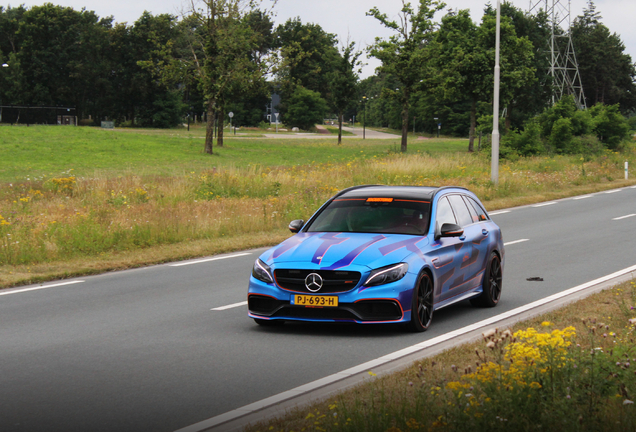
381	254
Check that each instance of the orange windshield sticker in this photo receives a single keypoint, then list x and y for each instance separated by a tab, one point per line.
386	200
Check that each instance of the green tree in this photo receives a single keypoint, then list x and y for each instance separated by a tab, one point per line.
63	57
305	108
518	70
535	95
405	55
308	57
343	83
462	63
607	73
232	64
140	94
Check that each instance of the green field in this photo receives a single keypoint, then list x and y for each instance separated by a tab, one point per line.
31	152
76	201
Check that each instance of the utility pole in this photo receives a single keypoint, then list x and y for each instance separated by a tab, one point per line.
564	68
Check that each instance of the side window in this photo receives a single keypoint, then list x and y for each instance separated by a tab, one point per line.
461	211
473	213
444	213
480	211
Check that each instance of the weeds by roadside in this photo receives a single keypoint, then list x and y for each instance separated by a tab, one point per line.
44	220
571	370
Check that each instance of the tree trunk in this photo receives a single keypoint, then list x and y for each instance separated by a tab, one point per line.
209	130
405	126
219	138
340	115
473	124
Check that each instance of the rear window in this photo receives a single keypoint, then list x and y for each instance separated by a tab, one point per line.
374	215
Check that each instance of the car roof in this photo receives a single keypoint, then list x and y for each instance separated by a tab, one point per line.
403	192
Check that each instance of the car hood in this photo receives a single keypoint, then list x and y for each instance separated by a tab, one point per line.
330	251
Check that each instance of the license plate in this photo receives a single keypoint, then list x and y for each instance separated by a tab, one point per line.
315	301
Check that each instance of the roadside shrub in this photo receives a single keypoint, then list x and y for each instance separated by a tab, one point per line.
526	142
609	125
587	145
561	136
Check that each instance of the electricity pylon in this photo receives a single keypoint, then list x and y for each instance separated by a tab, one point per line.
564	68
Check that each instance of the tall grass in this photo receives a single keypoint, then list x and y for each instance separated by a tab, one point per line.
44	220
570	370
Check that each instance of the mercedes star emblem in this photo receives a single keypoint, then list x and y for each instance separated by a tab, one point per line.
313	282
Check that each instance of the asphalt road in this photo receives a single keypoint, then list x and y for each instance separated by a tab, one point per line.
164	347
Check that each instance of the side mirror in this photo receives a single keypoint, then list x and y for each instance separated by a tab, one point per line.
296	225
451	230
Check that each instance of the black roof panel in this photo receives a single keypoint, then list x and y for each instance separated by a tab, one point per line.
405	192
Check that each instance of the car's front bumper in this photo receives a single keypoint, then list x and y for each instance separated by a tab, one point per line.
381	304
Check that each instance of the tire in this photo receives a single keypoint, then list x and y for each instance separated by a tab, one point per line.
268	323
422	304
491	285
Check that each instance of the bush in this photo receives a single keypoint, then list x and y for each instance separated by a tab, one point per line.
609	125
86	122
527	142
305	109
587	145
561	136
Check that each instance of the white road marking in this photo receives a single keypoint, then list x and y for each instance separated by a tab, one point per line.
209	259
370	365
612	191
499	212
516	241
544	204
624	217
583	197
40	287
243	303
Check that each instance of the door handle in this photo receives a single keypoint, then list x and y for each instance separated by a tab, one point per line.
484	232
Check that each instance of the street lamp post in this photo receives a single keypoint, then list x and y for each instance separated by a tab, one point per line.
4	65
494	165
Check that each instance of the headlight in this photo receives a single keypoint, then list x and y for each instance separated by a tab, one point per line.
262	272
387	274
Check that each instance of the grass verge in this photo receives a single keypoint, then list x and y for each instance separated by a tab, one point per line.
173	204
572	369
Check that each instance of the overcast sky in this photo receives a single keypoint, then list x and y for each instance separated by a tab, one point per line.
346	18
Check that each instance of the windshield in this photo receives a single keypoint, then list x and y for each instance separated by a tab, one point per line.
374	215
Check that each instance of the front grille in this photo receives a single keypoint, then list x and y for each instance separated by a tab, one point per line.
316	313
334	281
367	310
